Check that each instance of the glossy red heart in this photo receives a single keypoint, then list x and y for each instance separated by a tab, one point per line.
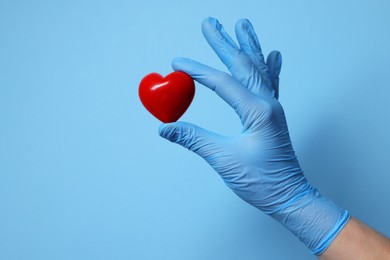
167	98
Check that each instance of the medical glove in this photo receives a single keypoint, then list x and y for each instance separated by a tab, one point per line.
259	164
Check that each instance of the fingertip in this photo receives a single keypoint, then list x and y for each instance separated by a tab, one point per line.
277	54
274	59
209	19
212	29
176	62
161	129
186	65
247	37
210	23
243	24
181	63
243	35
165	130
278	57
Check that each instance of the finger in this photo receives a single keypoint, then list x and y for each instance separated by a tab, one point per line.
250	46
227	50
194	138
230	90
274	63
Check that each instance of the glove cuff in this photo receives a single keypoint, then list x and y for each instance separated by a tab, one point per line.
314	219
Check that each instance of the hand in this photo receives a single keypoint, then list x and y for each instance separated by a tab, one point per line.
259	164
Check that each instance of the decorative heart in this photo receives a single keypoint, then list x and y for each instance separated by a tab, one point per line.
167	98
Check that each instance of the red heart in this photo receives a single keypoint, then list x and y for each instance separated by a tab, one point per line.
167	98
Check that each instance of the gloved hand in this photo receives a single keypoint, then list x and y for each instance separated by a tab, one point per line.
259	164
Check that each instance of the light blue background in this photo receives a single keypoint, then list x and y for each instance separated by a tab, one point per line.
83	172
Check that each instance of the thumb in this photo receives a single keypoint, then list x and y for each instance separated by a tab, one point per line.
192	137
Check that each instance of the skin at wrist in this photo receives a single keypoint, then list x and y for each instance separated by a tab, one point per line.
357	241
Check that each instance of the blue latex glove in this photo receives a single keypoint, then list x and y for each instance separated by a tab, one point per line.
259	164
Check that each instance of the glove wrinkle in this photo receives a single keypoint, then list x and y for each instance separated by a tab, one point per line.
259	164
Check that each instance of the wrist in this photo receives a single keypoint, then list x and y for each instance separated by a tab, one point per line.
314	219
